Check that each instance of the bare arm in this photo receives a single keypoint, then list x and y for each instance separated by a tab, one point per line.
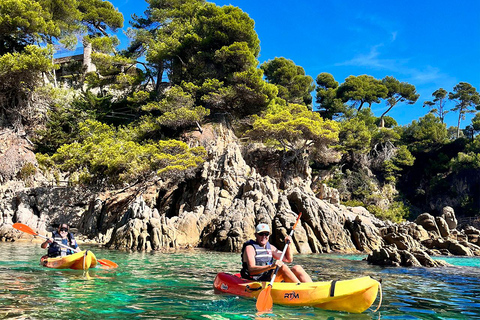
249	258
277	254
45	244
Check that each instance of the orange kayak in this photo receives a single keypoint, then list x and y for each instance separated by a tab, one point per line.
82	260
354	295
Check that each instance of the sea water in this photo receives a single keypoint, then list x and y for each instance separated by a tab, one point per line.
179	286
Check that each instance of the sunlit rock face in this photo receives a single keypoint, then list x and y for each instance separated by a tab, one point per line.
235	189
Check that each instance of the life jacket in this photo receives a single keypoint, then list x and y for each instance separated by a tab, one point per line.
263	257
54	250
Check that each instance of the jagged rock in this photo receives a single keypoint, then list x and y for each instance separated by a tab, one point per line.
458	235
401	241
364	237
220	207
458	249
328	194
14	154
390	255
473	235
385	256
426	261
427	221
449	215
417	232
442	226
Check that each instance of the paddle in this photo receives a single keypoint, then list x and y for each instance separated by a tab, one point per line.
264	300
27	229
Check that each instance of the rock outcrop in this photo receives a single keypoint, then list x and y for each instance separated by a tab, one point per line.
411	244
236	188
218	209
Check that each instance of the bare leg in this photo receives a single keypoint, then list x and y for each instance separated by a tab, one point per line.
301	274
286	274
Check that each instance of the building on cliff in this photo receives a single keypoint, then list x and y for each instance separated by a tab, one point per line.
74	66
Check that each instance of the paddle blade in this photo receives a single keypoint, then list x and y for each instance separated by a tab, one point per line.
264	300
107	263
24	228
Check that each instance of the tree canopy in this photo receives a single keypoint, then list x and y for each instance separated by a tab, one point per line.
466	98
362	89
293	85
437	105
294	128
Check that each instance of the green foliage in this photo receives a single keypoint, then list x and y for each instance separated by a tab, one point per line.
177	110
98	16
64	118
23	23
28	29
104	155
27	172
353	185
362	89
392	167
293	85
114	71
426	134
463	161
466	98
437	105
203	44
397	212
193	39
330	105
248	94
294	128
20	72
354	136
388	122
398	92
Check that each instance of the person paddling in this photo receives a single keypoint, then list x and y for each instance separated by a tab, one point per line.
258	260
63	236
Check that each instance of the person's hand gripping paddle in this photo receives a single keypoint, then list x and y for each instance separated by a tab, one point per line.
264	300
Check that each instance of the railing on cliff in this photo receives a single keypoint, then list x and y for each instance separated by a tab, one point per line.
468	221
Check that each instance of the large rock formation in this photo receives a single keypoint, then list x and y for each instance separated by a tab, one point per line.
236	188
218	209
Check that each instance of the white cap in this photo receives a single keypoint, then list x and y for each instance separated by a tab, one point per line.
262	227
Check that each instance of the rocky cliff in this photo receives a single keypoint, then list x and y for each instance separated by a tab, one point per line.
237	187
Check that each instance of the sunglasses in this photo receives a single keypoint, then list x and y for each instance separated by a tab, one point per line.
63	229
264	234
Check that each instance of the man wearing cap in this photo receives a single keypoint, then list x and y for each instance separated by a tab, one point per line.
258	260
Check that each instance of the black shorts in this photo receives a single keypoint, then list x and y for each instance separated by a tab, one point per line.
266	276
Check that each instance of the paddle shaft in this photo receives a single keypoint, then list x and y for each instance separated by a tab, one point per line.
285	249
24	228
103	262
60	244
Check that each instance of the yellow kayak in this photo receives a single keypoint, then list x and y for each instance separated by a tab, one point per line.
354	295
82	260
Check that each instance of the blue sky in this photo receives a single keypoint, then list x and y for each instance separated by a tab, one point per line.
430	44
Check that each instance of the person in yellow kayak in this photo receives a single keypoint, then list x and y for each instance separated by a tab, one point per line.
63	236
258	260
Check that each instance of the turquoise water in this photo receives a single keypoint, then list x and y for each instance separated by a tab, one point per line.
179	286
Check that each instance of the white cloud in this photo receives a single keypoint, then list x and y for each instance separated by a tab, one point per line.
399	67
394	35
373	60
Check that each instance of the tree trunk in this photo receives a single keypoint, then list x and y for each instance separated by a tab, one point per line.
458	124
159	78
